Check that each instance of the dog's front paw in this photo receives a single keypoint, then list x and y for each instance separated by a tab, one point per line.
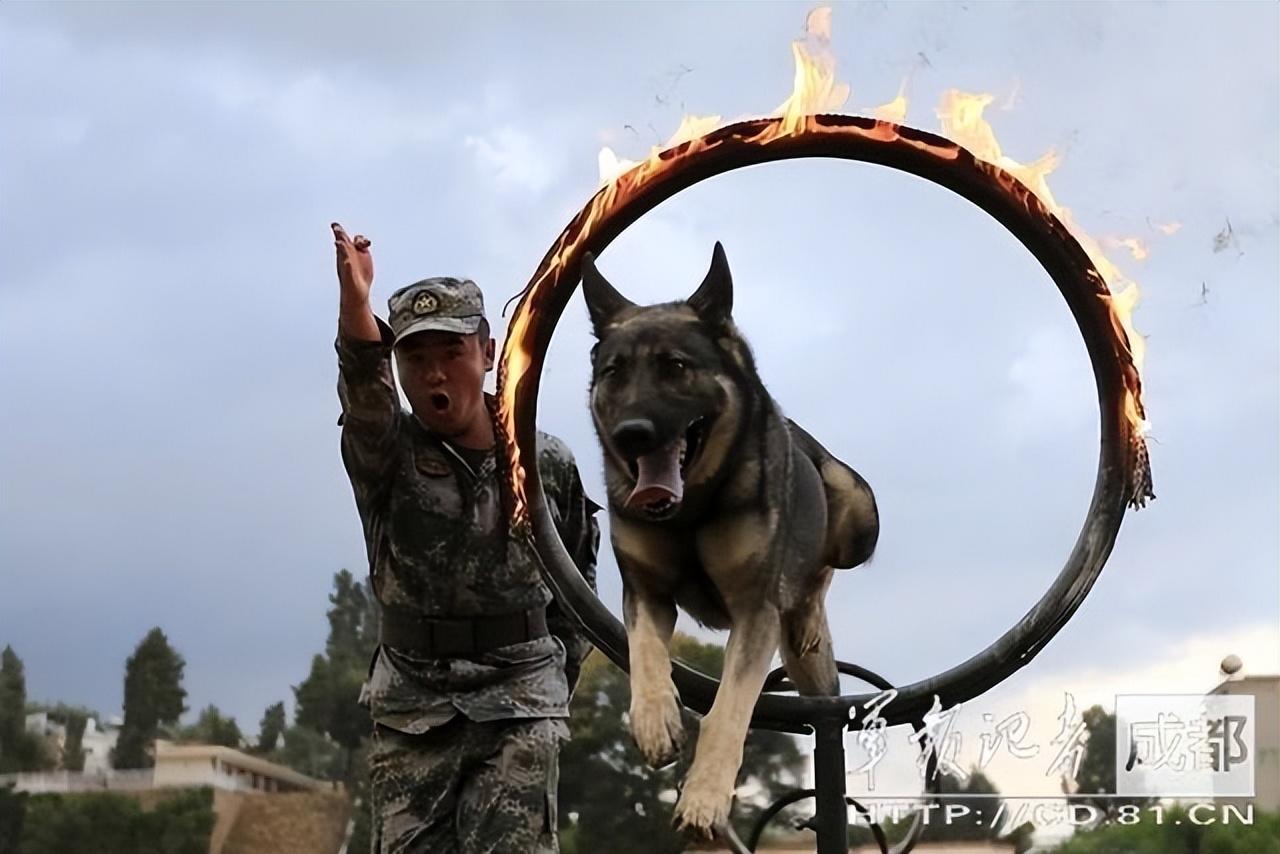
702	809
657	728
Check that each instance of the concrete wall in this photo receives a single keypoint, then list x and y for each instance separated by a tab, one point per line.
1266	767
186	772
226	806
97	745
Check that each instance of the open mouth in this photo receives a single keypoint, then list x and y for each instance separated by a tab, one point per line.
660	474
439	401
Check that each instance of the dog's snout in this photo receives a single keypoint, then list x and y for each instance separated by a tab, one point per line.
635	436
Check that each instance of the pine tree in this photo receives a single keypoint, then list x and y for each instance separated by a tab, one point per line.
73	747
19	750
153	696
326	701
212	728
271	728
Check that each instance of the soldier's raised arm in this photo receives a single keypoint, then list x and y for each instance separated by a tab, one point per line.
355	279
366	387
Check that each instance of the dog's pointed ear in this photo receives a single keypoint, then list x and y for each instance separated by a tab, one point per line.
713	301
603	301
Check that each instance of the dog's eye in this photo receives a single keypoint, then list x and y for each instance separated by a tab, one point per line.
675	364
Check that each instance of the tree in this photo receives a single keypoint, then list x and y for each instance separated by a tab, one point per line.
1097	772
212	728
72	748
271	728
13	700
74	719
312	753
153	696
326	700
19	749
610	800
954	797
353	619
965	827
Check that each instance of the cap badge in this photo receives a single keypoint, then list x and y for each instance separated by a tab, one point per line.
424	304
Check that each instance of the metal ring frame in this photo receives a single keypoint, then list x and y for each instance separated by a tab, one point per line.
1123	476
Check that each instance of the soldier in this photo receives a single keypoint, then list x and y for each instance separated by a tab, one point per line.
470	684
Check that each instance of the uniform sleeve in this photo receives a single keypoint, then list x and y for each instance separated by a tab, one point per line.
575	520
370	413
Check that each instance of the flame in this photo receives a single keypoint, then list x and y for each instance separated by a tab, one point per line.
960	115
816	90
1012	101
1134	245
692	127
896	110
818	23
611	166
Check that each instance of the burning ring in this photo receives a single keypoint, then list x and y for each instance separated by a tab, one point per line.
1123	479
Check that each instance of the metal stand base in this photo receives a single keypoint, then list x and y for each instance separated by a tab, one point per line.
831	799
832	819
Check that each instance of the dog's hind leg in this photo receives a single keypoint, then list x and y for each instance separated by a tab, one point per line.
853	522
806	643
708	791
655	706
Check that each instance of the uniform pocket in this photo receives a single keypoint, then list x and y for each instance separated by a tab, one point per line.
431	463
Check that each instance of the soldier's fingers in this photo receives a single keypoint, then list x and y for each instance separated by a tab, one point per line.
362	242
340	233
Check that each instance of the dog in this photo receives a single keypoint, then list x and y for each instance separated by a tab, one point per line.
719	505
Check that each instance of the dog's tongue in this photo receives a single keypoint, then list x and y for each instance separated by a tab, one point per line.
658	476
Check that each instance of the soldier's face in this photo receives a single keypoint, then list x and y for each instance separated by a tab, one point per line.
442	374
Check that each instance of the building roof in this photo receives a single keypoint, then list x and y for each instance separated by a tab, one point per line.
167	751
1263	678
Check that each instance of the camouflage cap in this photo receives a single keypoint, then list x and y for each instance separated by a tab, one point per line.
442	304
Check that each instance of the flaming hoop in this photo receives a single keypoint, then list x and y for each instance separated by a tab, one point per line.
1124	477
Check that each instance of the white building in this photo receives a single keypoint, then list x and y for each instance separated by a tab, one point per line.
97	745
176	766
225	768
1265	691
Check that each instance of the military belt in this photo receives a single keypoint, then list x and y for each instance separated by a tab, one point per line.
435	637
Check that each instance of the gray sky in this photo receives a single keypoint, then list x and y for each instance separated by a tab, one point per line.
168	303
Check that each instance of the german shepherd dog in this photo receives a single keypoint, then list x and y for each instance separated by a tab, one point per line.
720	505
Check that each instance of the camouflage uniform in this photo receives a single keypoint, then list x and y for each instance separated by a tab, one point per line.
465	750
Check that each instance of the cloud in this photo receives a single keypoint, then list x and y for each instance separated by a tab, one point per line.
322	114
513	159
1051	386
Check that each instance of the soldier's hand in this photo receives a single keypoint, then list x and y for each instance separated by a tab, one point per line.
355	264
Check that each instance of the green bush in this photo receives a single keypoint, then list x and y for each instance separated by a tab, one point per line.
109	823
1177	834
13	810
